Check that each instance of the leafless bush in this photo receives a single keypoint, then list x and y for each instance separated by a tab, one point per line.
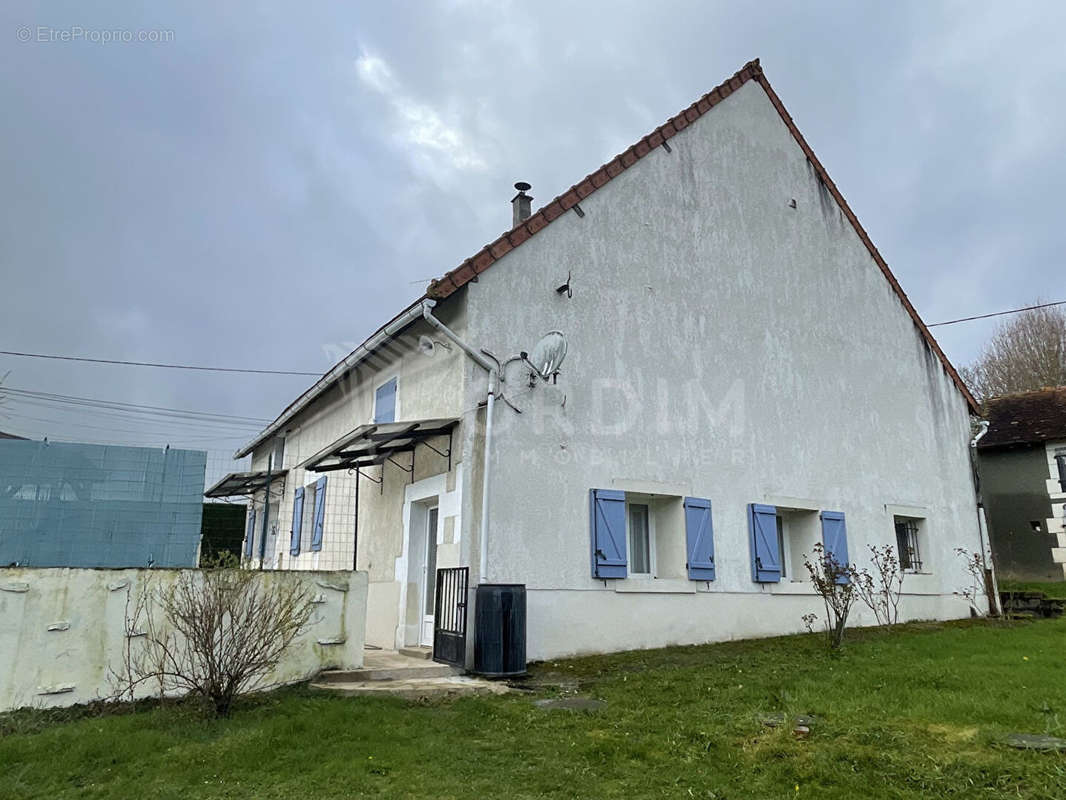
880	590
215	634
975	569
832	582
1025	354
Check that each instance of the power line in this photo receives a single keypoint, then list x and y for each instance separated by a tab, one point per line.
119	405
161	366
147	434
997	313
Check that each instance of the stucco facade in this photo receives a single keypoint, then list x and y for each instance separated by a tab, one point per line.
731	339
427	387
722	345
67	634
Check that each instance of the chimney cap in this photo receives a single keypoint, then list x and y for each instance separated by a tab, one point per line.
522	186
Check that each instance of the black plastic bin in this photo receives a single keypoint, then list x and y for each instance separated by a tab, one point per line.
500	630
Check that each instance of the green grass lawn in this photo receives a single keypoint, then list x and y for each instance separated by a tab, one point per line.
913	713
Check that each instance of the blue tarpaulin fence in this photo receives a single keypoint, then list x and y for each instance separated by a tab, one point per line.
86	505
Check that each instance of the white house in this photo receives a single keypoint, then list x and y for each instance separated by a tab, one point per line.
744	378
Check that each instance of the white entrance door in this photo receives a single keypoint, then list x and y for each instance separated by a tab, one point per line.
429	578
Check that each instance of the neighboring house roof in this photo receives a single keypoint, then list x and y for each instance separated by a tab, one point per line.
1025	418
10	436
468	271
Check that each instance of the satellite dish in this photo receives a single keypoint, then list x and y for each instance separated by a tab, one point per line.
548	354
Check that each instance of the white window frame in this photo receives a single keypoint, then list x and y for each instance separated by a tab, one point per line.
396	401
652	560
784	547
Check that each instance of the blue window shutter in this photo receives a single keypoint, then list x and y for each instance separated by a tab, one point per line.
835	538
607	525
320	514
249	534
762	527
699	536
297	521
385	402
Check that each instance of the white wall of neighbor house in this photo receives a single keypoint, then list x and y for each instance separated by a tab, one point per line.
1056	524
428	387
64	632
722	345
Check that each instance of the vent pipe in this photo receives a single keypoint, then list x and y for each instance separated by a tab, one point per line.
521	204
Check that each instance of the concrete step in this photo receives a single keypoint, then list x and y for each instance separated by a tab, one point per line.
418	670
416	652
414	688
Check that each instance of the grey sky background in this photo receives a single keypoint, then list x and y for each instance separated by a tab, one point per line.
271	184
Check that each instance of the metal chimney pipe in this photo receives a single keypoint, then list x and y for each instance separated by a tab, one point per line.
521	204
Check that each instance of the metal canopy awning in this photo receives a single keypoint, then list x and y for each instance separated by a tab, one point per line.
244	483
375	444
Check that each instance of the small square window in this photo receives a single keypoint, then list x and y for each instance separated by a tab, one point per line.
908	535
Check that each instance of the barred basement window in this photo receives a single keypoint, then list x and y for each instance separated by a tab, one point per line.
907	536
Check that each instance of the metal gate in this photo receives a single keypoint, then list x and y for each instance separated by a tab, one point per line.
449	619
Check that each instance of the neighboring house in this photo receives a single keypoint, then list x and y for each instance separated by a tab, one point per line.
85	505
745	379
1021	463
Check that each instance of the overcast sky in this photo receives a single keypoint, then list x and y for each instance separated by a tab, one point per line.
264	187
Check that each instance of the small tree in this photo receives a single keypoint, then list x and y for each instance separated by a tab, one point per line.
1024	354
832	581
881	590
216	634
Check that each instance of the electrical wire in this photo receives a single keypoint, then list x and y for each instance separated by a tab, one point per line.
160	365
997	314
139	408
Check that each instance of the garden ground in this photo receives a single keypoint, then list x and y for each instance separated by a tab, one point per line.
915	712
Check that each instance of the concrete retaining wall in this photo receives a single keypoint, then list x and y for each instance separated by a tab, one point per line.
63	631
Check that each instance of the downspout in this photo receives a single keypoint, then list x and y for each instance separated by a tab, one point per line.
993	600
266	512
488	366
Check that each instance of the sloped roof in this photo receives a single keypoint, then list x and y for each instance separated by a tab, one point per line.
488	255
467	271
1025	418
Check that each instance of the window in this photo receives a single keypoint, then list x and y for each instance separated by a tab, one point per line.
307	522
650	536
641	544
1060	461
782	546
385	402
278	461
798	532
907	543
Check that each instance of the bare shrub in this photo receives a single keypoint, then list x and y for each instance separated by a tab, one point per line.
975	569
215	634
880	590
832	582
